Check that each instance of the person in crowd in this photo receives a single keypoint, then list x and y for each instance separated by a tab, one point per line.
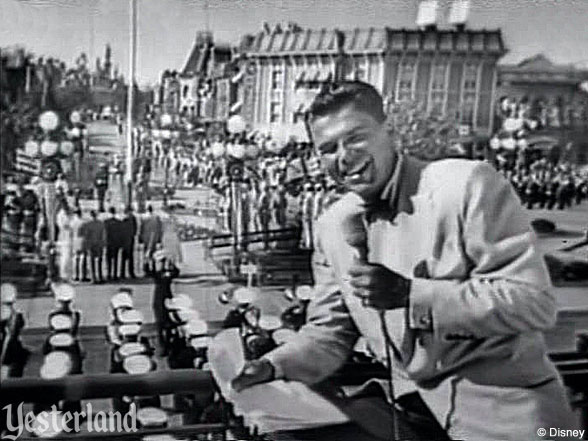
101	185
12	215
460	328
279	206
165	272
63	221
14	355
150	233
79	231
264	212
96	238
170	237
112	226
306	206
61	186
31	209
128	231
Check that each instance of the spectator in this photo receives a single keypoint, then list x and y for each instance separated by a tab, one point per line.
79	231
64	240
128	230
96	240
170	239
113	244
150	236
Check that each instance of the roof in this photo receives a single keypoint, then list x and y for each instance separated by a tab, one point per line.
375	40
540	69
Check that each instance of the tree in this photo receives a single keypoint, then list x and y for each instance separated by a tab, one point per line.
420	133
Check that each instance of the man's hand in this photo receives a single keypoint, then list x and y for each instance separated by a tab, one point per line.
254	372
379	287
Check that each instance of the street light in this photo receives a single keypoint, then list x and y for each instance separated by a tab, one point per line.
51	149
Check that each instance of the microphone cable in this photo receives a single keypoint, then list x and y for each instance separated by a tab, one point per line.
387	344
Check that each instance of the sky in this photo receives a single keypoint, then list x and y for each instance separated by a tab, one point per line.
167	28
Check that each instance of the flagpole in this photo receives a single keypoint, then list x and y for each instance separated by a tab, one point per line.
130	99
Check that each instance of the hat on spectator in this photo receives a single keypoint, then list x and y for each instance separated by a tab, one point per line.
197	331
137	364
269	322
244	295
132	348
5	311
121	300
61	322
151	417
57	364
184	315
130	330
61	340
8	293
64	292
130	316
178	301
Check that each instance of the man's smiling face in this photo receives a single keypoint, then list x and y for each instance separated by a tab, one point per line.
355	149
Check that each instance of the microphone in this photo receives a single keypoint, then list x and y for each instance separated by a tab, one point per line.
355	233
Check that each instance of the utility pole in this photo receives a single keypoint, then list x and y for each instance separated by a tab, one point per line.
130	99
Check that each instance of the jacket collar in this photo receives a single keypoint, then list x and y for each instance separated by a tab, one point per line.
398	191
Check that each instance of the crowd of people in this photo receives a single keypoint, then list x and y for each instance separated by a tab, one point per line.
547	185
110	242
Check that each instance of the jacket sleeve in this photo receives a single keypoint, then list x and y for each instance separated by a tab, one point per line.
507	289
325	342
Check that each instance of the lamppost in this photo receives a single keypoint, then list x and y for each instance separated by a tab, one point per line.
50	148
78	135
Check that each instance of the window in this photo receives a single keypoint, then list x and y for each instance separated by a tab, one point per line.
297	117
277	78
275	111
438	92
406	81
359	70
469	93
185	92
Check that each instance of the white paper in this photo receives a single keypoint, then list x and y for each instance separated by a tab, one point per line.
279	405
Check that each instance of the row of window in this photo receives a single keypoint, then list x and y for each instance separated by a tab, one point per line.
405	88
439	86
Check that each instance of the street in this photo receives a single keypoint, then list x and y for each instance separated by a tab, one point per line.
202	281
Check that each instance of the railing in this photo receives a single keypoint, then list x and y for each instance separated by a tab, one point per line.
79	387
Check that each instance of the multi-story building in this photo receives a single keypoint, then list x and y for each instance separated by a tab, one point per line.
555	95
191	91
450	72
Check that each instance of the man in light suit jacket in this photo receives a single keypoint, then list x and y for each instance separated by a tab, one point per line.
447	279
150	232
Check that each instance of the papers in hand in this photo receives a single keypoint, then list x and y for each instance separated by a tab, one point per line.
276	406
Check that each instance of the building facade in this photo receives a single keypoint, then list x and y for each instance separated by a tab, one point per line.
192	91
449	72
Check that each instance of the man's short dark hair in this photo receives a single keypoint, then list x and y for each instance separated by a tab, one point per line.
337	95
